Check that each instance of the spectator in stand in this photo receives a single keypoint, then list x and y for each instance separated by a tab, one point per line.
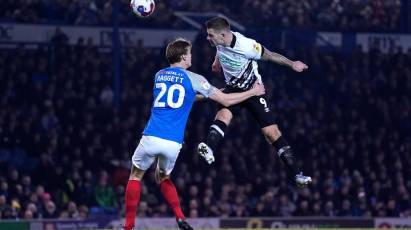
104	193
345	15
53	114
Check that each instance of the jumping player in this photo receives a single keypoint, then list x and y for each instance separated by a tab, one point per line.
174	93
237	56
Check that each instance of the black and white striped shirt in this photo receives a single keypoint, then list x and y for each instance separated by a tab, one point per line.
239	61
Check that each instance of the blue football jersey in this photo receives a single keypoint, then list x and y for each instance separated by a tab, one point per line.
174	93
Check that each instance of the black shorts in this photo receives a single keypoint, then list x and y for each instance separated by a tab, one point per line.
258	107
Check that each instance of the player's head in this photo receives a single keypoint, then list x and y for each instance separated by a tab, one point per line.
179	52
218	29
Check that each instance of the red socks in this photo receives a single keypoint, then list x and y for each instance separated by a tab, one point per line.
133	191
170	194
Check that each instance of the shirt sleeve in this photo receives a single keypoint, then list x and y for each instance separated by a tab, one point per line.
252	49
201	85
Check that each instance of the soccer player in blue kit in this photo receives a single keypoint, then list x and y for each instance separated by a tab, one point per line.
174	91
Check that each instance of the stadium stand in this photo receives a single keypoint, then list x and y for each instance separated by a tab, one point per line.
65	148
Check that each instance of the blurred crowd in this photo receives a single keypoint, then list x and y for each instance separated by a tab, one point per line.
341	15
65	148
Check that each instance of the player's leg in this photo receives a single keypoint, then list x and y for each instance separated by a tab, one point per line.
217	130
169	192
259	107
284	151
132	197
286	154
142	159
165	165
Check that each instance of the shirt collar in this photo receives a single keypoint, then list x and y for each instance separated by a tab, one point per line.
232	44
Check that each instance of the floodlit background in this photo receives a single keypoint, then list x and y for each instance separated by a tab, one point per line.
76	91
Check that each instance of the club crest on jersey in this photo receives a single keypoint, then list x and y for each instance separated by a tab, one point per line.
257	48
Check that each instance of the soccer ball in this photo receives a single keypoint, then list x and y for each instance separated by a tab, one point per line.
142	8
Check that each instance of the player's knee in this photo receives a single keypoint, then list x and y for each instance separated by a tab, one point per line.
224	115
136	174
160	176
271	133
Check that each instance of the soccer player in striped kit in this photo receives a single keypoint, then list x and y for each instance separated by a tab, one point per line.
237	56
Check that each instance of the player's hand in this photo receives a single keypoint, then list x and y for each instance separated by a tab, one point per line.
299	66
258	88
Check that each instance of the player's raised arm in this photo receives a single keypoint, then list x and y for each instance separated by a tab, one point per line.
297	66
255	51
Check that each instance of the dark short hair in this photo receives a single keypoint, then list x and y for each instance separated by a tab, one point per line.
218	23
176	49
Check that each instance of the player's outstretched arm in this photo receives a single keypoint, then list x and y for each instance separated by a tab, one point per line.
297	66
234	98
